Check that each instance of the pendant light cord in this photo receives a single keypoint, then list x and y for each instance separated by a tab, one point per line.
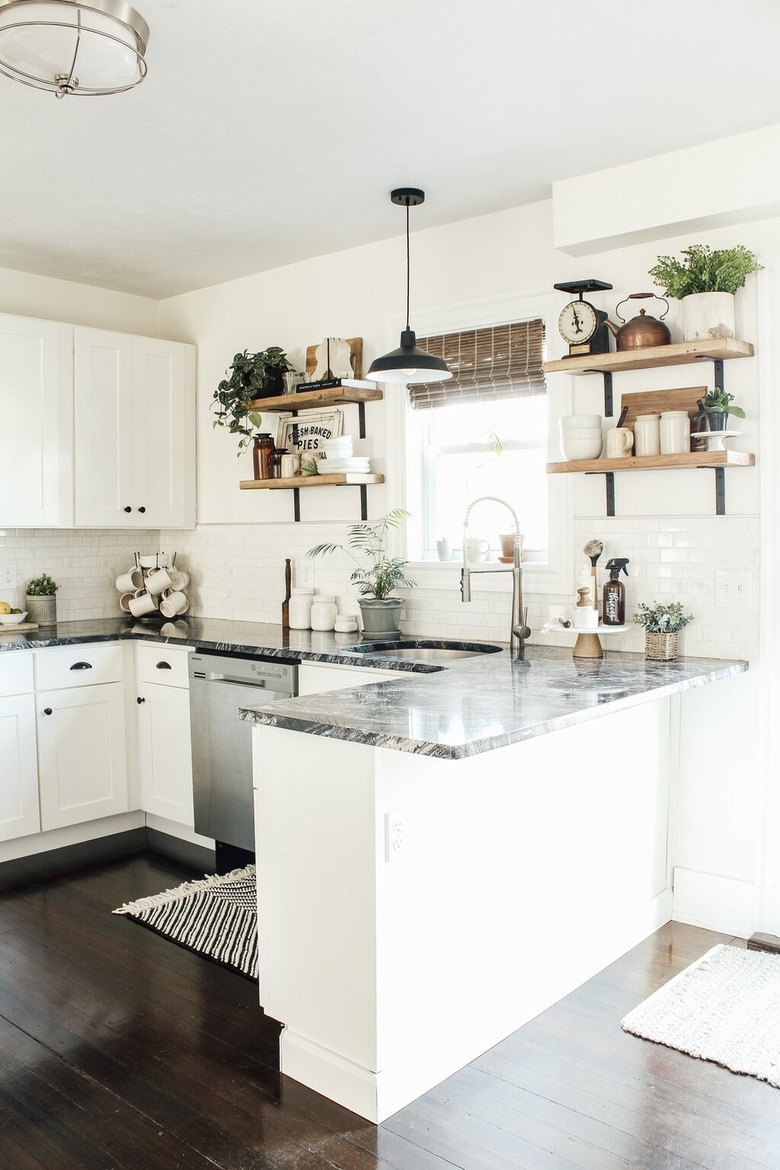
408	266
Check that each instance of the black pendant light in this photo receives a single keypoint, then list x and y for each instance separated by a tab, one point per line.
408	364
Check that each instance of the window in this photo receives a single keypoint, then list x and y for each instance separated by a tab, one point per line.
484	432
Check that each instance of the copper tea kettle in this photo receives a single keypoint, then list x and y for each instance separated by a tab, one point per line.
641	331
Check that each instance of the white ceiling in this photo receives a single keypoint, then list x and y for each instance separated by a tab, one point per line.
269	131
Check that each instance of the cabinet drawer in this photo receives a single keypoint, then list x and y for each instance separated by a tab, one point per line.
16	673
77	666
162	664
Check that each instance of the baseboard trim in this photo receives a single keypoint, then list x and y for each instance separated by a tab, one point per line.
764	942
53	863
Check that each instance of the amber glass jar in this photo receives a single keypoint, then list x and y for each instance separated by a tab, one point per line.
262	451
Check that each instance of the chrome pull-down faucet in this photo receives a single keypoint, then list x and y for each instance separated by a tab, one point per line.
519	631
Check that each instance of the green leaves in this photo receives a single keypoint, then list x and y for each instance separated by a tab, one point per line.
251	375
42	586
704	270
662	617
383	573
718	402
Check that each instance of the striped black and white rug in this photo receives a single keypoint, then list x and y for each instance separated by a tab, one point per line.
215	916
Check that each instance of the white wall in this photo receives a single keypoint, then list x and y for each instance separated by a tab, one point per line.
27	295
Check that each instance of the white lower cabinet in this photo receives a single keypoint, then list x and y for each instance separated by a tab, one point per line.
18	771
314	678
164	762
82	763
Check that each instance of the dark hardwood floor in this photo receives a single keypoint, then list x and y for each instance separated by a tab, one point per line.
120	1050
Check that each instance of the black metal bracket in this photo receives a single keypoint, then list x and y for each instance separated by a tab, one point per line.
296	504
609	485
609	409
362	422
363	503
720	491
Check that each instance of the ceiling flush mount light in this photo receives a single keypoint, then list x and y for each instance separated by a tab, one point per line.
70	47
408	364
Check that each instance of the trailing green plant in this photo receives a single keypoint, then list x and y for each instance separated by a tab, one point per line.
704	270
718	402
42	586
383	573
665	617
250	376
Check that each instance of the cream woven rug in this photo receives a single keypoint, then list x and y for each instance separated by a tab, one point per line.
724	1008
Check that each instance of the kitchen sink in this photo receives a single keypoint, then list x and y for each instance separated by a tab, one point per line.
424	650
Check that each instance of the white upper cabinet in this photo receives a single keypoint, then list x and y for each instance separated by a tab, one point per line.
134	431
36	396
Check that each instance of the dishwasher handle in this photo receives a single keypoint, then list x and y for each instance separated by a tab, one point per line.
209	676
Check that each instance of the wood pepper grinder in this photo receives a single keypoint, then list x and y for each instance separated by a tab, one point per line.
286	602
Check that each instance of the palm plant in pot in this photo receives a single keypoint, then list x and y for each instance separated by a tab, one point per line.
662	621
705	280
250	376
377	573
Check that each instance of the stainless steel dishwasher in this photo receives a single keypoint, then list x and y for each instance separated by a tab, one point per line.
220	683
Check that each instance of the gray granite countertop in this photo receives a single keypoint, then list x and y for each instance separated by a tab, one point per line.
448	711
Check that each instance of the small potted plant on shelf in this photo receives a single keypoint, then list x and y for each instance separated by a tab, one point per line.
705	280
714	410
250	376
661	622
376	575
41	600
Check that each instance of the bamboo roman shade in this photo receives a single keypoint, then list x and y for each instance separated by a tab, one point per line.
503	361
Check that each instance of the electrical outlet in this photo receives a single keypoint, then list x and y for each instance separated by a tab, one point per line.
304	573
396	834
733	587
8	575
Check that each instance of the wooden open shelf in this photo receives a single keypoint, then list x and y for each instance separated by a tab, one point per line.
677	354
312	399
304	481
655	462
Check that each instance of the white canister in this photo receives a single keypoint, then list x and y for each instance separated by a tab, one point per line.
647	435
323	612
300	609
675	428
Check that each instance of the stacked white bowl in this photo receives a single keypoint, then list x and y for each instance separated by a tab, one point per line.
581	436
338	457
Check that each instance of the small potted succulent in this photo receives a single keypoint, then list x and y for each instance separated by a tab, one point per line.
714	410
378	576
705	280
661	622
41	600
250	376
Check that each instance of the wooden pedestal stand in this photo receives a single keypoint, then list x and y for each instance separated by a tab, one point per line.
587	646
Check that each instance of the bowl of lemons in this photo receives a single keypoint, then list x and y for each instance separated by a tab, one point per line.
10	616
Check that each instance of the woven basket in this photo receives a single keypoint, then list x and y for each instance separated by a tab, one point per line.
661	647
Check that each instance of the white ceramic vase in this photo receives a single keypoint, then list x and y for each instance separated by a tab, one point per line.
707	315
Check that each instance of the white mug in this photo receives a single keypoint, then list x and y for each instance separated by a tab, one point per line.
179	579
477	549
173	603
290	464
443	549
130	582
158	581
124	601
620	441
142	603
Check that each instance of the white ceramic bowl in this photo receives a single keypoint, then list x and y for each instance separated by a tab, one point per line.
573	421
581	448
12	619
582	433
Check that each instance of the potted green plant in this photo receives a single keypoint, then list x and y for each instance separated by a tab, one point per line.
715	408
250	376
705	280
661	622
377	573
41	600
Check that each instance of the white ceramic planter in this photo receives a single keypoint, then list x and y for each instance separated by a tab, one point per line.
707	315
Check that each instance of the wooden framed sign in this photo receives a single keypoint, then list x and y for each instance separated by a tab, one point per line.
303	435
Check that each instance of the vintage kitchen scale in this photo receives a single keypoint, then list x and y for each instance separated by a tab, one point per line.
581	325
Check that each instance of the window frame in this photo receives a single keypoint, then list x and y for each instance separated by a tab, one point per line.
404	473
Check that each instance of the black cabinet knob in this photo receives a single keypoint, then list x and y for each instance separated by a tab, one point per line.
142	509
127	509
47	710
140	700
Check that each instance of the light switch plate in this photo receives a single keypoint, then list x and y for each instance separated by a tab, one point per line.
733	588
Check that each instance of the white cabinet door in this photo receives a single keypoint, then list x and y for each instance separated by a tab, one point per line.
135	431
36	404
81	754
314	678
18	769
164	752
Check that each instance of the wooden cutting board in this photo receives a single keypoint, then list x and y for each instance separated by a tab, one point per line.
19	628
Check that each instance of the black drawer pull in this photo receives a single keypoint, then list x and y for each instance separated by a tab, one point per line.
127	509
81	666
164	665
47	711
142	509
140	700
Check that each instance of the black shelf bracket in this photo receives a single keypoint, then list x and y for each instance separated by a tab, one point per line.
296	504
608	401
363	503
362	422
609	486
720	491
